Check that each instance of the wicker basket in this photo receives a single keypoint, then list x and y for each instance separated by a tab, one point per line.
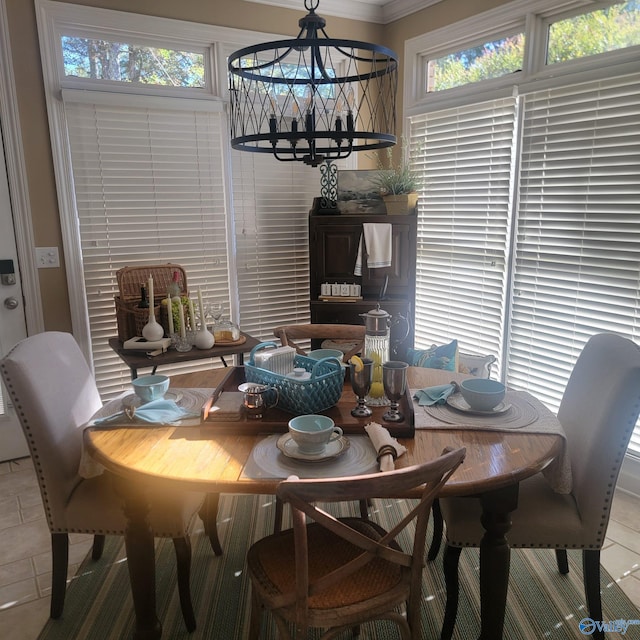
321	391
131	319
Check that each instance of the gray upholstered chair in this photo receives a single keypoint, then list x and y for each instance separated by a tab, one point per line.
54	394
338	573
598	412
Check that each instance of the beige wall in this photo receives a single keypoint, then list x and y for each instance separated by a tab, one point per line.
227	13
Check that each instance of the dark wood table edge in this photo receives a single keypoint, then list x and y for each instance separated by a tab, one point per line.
135	359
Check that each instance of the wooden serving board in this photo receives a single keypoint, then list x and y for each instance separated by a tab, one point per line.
276	420
231	343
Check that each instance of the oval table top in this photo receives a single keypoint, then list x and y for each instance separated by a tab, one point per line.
202	460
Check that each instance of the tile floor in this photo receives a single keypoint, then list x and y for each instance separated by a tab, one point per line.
25	558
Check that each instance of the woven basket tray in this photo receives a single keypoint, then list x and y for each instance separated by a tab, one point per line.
320	392
131	319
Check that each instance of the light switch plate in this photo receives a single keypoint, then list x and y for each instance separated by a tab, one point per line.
47	257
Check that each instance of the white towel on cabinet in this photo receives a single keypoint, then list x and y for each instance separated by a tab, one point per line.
377	242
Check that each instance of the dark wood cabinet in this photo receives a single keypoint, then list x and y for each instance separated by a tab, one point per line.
333	249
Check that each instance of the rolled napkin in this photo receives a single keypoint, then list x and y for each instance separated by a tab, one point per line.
434	395
157	411
388	447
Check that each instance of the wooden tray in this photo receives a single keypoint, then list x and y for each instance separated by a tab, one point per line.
276	420
229	343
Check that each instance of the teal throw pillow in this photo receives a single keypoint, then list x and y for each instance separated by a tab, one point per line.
443	357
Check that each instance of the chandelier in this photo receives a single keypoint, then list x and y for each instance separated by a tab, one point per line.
313	98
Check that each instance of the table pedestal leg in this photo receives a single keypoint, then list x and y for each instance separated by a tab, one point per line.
139	543
494	559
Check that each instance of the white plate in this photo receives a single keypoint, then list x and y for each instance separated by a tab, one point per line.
134	400
336	447
458	402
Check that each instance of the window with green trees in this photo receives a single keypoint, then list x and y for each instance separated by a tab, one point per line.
600	31
98	59
588	34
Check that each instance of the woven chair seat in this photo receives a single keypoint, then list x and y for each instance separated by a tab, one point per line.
272	561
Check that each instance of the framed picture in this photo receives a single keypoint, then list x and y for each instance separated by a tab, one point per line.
358	194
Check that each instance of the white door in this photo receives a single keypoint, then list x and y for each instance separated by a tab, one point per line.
13	326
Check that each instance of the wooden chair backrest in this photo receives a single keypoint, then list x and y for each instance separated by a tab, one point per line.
303	495
289	334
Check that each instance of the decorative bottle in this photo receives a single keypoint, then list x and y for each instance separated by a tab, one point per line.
376	347
174	287
144	300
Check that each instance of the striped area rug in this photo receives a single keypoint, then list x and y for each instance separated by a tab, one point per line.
542	603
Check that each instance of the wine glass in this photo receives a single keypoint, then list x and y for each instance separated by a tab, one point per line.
216	309
394	380
361	383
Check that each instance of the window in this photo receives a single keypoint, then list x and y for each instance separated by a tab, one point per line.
149	189
528	228
146	176
589	34
122	62
489	60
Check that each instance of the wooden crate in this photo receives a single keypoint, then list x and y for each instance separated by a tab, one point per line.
131	319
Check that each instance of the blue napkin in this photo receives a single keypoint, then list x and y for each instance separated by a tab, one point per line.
157	411
434	395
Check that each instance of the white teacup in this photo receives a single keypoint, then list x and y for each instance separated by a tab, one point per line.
312	433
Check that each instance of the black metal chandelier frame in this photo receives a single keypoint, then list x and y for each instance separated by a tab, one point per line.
313	98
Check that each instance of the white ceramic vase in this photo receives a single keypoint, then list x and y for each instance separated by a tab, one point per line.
204	339
153	330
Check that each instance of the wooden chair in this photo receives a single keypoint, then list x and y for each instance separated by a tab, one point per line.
338	573
349	333
598	412
54	393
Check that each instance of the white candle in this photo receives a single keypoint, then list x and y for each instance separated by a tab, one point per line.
192	315
183	331
152	313
170	314
201	305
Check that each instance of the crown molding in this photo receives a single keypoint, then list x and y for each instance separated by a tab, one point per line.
379	11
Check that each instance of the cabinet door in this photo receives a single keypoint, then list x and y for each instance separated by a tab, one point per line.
400	273
334	247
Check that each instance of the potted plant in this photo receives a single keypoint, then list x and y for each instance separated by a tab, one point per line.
397	184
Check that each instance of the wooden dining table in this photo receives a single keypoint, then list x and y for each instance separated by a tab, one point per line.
199	458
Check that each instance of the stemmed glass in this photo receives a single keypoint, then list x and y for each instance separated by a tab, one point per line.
361	383
216	309
394	380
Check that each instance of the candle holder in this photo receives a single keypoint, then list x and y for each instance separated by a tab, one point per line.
183	344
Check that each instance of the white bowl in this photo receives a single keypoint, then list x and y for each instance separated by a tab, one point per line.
482	394
150	388
318	354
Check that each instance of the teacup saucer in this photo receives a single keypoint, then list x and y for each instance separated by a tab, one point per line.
134	400
458	402
289	448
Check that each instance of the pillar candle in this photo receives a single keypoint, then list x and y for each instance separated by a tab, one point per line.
183	331
152	313
170	313
192	315
201	305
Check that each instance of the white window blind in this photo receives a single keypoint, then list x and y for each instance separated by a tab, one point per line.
578	244
271	201
149	190
465	157
575	269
